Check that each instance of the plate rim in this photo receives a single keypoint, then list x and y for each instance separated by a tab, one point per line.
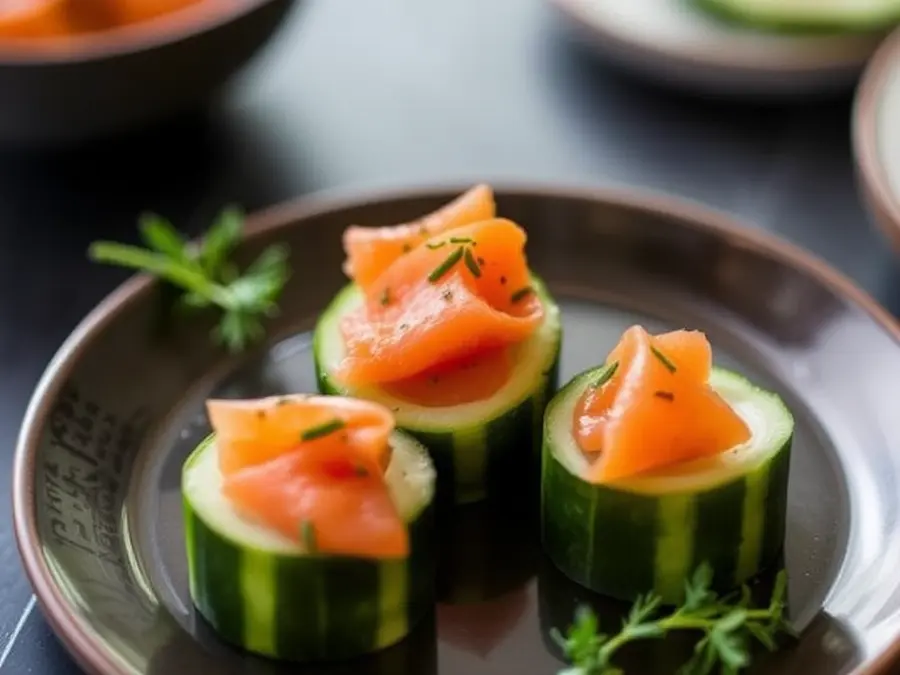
698	57
87	649
883	204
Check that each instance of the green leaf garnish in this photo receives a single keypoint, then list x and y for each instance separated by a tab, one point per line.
472	264
446	266
435	245
663	359
205	274
461	240
520	294
725	629
323	429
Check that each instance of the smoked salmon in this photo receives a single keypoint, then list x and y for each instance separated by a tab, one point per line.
371	250
445	324
461	293
656	408
312	467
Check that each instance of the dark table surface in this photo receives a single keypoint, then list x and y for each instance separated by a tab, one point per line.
394	93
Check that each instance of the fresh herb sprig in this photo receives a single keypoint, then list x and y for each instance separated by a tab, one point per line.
206	274
726	627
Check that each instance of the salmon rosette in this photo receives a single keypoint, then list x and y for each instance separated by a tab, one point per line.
445	325
657	462
312	501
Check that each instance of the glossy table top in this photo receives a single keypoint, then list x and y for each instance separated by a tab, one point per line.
394	93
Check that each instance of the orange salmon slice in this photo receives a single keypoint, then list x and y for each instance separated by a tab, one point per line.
462	293
301	464
372	250
657	409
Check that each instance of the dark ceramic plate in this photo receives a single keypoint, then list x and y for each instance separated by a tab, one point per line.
97	508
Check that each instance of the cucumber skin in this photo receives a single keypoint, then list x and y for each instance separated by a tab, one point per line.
341	586
726	11
506	473
520	425
606	540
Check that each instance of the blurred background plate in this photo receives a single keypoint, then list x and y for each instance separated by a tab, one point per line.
116	82
673	43
876	138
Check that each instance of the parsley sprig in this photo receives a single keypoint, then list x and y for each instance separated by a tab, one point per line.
205	273
727	628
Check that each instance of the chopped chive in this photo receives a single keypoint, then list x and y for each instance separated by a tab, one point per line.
471	264
520	294
403	326
308	536
667	395
460	240
446	266
323	430
606	376
447	295
437	244
663	359
386	297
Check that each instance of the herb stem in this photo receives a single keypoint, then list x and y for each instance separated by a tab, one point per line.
665	360
472	264
520	294
446	266
136	258
324	429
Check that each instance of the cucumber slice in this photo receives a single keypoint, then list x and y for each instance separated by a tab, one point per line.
652	531
264	593
478	448
808	15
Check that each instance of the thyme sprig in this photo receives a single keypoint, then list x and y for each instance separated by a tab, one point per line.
726	629
205	273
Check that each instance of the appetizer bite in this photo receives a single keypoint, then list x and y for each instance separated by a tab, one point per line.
656	463
445	325
308	524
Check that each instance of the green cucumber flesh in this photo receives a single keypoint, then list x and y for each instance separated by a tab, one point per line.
808	15
651	531
265	593
477	447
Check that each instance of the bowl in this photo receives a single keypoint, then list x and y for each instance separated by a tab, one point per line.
116	82
671	43
876	141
